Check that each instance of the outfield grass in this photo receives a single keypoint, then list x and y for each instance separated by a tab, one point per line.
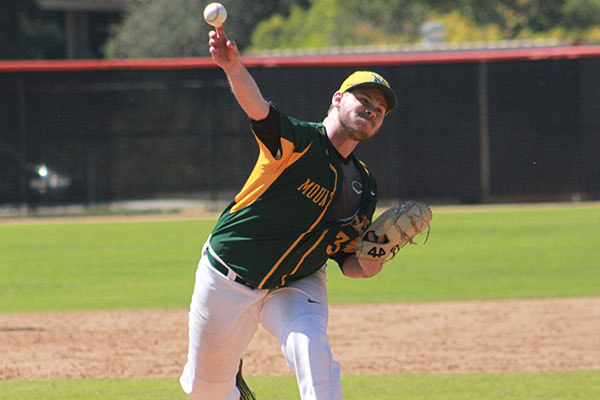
581	385
537	253
470	255
103	266
490	255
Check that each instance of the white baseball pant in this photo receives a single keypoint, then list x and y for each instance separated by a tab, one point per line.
224	315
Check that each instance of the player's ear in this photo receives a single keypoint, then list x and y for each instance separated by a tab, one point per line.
337	99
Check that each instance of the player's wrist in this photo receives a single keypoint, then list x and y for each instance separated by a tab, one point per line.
234	69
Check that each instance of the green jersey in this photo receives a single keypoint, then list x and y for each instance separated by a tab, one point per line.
282	225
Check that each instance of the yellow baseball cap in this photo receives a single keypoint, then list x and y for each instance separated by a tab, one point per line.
372	80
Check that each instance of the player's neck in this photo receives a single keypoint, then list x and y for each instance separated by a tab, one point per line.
338	138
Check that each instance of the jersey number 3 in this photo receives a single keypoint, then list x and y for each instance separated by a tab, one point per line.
341	238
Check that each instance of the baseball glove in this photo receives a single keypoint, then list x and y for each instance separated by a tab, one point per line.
394	229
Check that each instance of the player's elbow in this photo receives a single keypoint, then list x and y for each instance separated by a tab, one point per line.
370	267
355	267
258	110
371	271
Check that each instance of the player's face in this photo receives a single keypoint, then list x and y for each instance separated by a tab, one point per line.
361	112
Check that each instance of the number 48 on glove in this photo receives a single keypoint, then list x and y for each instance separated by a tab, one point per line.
394	229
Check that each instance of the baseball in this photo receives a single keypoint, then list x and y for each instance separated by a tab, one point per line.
215	14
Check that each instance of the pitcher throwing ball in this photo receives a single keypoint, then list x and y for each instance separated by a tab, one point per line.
308	200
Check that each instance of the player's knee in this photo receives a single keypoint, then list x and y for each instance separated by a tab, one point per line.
308	330
307	349
305	340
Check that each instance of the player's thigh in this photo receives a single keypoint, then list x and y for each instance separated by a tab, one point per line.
222	321
283	306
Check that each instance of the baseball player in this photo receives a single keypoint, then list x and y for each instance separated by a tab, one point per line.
307	201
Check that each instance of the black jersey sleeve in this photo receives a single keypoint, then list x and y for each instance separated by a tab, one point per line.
268	130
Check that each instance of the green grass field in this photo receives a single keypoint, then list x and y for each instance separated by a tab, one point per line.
533	253
582	385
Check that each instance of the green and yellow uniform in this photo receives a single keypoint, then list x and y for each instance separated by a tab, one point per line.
292	214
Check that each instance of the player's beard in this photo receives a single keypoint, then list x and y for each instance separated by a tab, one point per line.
352	130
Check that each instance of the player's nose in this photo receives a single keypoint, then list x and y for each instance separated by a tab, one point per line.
370	113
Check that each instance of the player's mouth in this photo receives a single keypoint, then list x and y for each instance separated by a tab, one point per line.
364	119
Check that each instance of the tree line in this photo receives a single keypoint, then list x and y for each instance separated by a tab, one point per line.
167	28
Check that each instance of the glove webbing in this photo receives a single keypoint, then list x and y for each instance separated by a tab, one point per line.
409	240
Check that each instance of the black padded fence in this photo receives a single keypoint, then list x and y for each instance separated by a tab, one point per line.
466	130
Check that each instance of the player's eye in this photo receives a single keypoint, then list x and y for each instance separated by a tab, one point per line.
377	106
366	101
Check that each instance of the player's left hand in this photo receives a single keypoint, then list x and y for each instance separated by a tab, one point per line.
395	228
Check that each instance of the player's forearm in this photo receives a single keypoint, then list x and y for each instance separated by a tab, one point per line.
247	93
361	267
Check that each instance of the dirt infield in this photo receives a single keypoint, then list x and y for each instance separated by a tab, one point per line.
527	335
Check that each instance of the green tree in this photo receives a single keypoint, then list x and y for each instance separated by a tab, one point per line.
514	16
517	18
161	29
459	28
581	14
342	23
358	22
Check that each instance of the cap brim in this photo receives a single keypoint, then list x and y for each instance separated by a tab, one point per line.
390	96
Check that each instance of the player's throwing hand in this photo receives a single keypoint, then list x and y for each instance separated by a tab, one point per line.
223	51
